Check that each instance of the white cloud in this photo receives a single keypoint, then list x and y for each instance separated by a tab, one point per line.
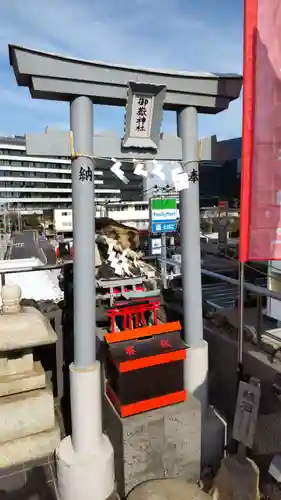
158	33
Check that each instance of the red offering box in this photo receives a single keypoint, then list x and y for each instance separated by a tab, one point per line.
144	368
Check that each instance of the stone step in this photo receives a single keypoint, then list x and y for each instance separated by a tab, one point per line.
27	413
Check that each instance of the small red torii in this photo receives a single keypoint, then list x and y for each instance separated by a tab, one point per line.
136	311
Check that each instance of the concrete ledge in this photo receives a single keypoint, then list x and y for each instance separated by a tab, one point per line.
214	439
223	374
25	414
23	382
28	448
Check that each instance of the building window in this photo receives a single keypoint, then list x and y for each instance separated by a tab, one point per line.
15	163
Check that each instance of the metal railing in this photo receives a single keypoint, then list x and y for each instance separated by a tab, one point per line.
257	290
47	267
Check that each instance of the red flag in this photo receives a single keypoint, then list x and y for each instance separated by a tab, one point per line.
260	222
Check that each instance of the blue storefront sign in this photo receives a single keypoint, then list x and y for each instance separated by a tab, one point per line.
163	227
163	215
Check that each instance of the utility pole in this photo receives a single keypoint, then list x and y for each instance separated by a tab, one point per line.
9	224
164	257
19	219
106	208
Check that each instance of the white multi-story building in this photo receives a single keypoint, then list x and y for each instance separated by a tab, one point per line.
38	183
131	213
35	184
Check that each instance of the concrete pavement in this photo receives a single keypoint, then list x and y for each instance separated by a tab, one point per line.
24	246
28	244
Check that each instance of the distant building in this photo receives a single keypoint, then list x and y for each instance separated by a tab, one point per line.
219	176
219	181
39	183
131	213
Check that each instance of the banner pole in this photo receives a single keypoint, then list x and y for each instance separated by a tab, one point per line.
240	344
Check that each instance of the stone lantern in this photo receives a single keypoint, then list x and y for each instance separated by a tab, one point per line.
27	418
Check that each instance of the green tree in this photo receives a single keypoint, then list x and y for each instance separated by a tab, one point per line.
32	221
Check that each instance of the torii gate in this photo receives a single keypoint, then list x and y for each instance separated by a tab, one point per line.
82	84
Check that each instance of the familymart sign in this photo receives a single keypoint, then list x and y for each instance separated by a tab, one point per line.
163	215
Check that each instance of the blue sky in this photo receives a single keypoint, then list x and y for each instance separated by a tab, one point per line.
191	35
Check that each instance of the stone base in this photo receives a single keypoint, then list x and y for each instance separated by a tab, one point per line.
83	475
167	489
28	448
23	382
26	413
160	443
